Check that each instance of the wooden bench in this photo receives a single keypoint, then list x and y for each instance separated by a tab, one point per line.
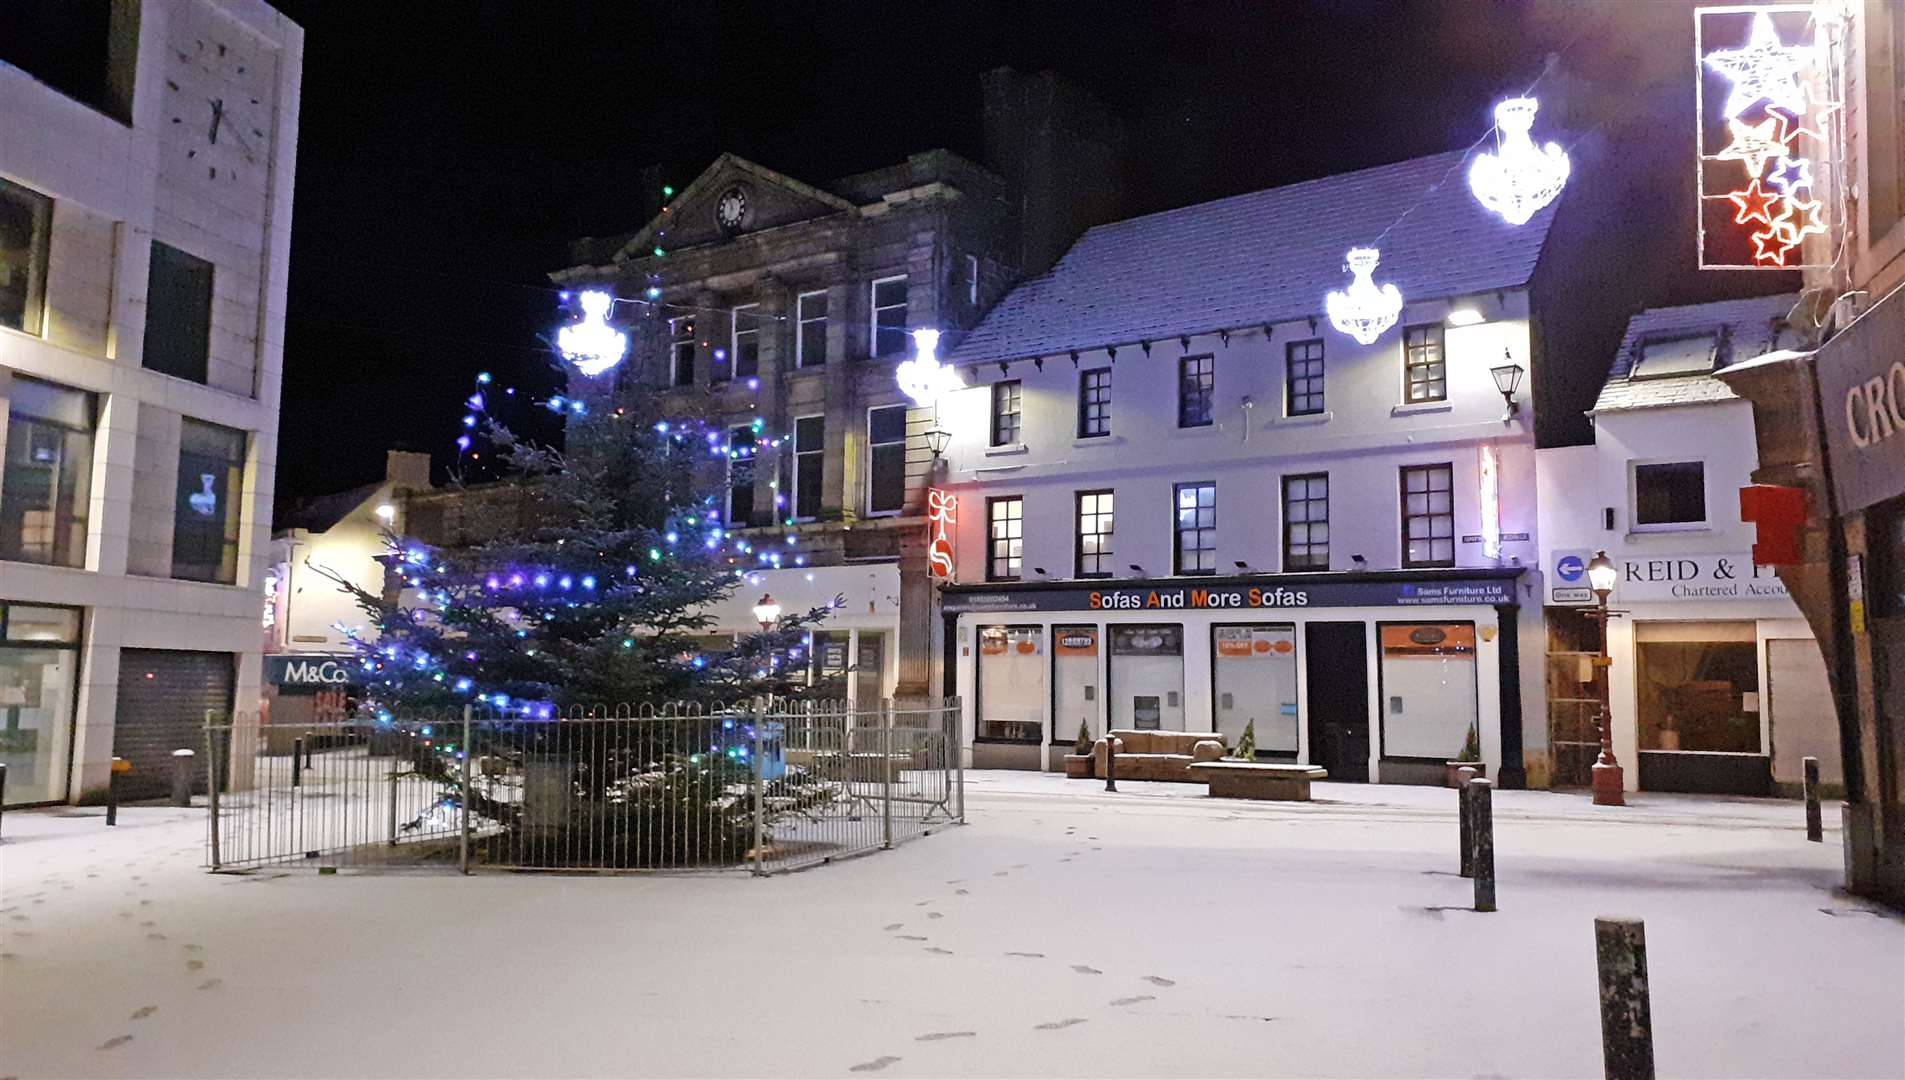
1258	779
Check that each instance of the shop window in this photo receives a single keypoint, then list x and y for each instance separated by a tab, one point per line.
830	663
178	338
1306	522
1428	689
46	487
205	517
1196	389
25	216
889	316
1425	375
741	447
1094	403
745	346
1011	706
1196	549
1697	686
1253	681
886	459
39	667
1007	418
1428	515
1075	698
810	340
1147	677
1005	538
681	351
1094	554
810	438
1885	566
1303	378
1669	495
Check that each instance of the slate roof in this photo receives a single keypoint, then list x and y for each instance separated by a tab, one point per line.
321	512
1747	328
1267	256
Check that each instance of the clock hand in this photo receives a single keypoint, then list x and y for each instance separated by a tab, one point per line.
218	116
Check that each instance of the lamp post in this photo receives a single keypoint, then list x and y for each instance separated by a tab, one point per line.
1608	779
1508	380
767	612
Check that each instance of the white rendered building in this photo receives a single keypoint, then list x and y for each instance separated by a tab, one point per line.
145	229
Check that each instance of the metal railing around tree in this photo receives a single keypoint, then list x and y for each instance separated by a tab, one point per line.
763	786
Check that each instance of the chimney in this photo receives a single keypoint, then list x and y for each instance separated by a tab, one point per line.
1064	157
407	469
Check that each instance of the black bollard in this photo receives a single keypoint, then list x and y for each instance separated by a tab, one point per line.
310	748
1627	1027
183	759
119	765
1815	829
1482	815
1111	762
297	761
3	790
1464	802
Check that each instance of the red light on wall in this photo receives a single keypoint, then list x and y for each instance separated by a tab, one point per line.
1776	514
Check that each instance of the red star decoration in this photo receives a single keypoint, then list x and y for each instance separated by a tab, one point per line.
1770	247
1755	203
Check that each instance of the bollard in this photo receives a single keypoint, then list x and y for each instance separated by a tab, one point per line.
1111	762
297	761
886	774
182	763
1627	1029
1465	829
396	766
3	790
119	765
310	748
1815	829
211	792
1482	815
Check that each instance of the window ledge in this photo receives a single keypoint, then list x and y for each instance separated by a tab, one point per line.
1203	431
1099	440
1639	531
1005	451
1304	420
1422	407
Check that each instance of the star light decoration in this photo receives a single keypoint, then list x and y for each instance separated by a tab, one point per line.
1364	310
1519	178
1769	106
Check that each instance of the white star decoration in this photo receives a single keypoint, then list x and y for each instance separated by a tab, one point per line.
1764	69
1752	144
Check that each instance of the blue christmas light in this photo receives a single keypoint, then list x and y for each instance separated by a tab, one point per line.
482	377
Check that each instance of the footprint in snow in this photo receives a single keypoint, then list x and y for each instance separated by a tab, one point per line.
148	923
1132	1000
912	937
962	892
211	984
1054	1025
875	1065
935	914
155	936
1086	969
195	965
115	1042
144	1011
1028	955
935	1036
892	926
9	956
957	881
937	951
1000	873
1159	980
194	948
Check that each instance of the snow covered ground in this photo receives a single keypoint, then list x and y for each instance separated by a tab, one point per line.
1063	933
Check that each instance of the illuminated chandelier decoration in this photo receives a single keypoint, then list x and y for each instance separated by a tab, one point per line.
590	343
1770	108
1519	178
924	378
1364	310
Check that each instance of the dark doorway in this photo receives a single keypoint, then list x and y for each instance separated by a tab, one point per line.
1336	659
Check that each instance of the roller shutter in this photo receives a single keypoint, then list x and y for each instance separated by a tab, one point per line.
163	697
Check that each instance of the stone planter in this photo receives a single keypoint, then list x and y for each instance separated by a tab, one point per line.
1453	777
1078	767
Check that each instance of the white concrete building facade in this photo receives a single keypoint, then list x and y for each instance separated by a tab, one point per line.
145	225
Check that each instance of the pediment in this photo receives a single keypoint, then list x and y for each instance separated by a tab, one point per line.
704	212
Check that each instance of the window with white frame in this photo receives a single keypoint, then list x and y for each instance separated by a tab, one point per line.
1093	556
1669	495
681	350
1303	378
889	316
1196	547
744	350
810	447
886	459
1005	538
1094	403
1196	390
1007	420
1425	376
1306	522
25	217
1428	515
741	447
810	336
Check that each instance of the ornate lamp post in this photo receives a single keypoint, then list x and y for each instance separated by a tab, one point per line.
1608	779
767	612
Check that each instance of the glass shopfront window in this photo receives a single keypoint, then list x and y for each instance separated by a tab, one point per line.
46	481
1697	686
1253	681
1075	697
39	668
1428	689
1147	677
1011	705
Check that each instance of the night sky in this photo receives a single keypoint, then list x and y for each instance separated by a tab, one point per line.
444	162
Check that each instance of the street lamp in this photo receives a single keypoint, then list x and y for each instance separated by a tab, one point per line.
936	441
1508	380
1608	779
767	612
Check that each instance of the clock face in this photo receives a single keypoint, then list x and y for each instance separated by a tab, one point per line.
730	211
212	104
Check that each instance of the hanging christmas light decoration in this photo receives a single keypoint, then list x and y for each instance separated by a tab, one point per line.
591	344
1519	178
1765	70
1364	310
924	378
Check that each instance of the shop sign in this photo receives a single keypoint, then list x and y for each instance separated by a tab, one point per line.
1147	641
1077	641
1174	598
309	672
1730	576
1862	387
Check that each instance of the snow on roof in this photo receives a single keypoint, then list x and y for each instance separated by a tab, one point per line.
1267	256
1740	329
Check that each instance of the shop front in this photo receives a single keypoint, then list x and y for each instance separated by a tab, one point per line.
39	684
1375	676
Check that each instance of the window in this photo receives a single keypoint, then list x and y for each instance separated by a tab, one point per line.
1427	688
1303	378
24	218
889	316
1306	522
81	48
1094	403
46	487
810	319
1428	515
1005	532
810	439
744	350
178	314
1093	557
205	517
1006	424
972	281
1425	376
39	669
1675	356
1011	705
681	351
741	459
1670	495
1196	529
1695	685
1195	381
886	459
